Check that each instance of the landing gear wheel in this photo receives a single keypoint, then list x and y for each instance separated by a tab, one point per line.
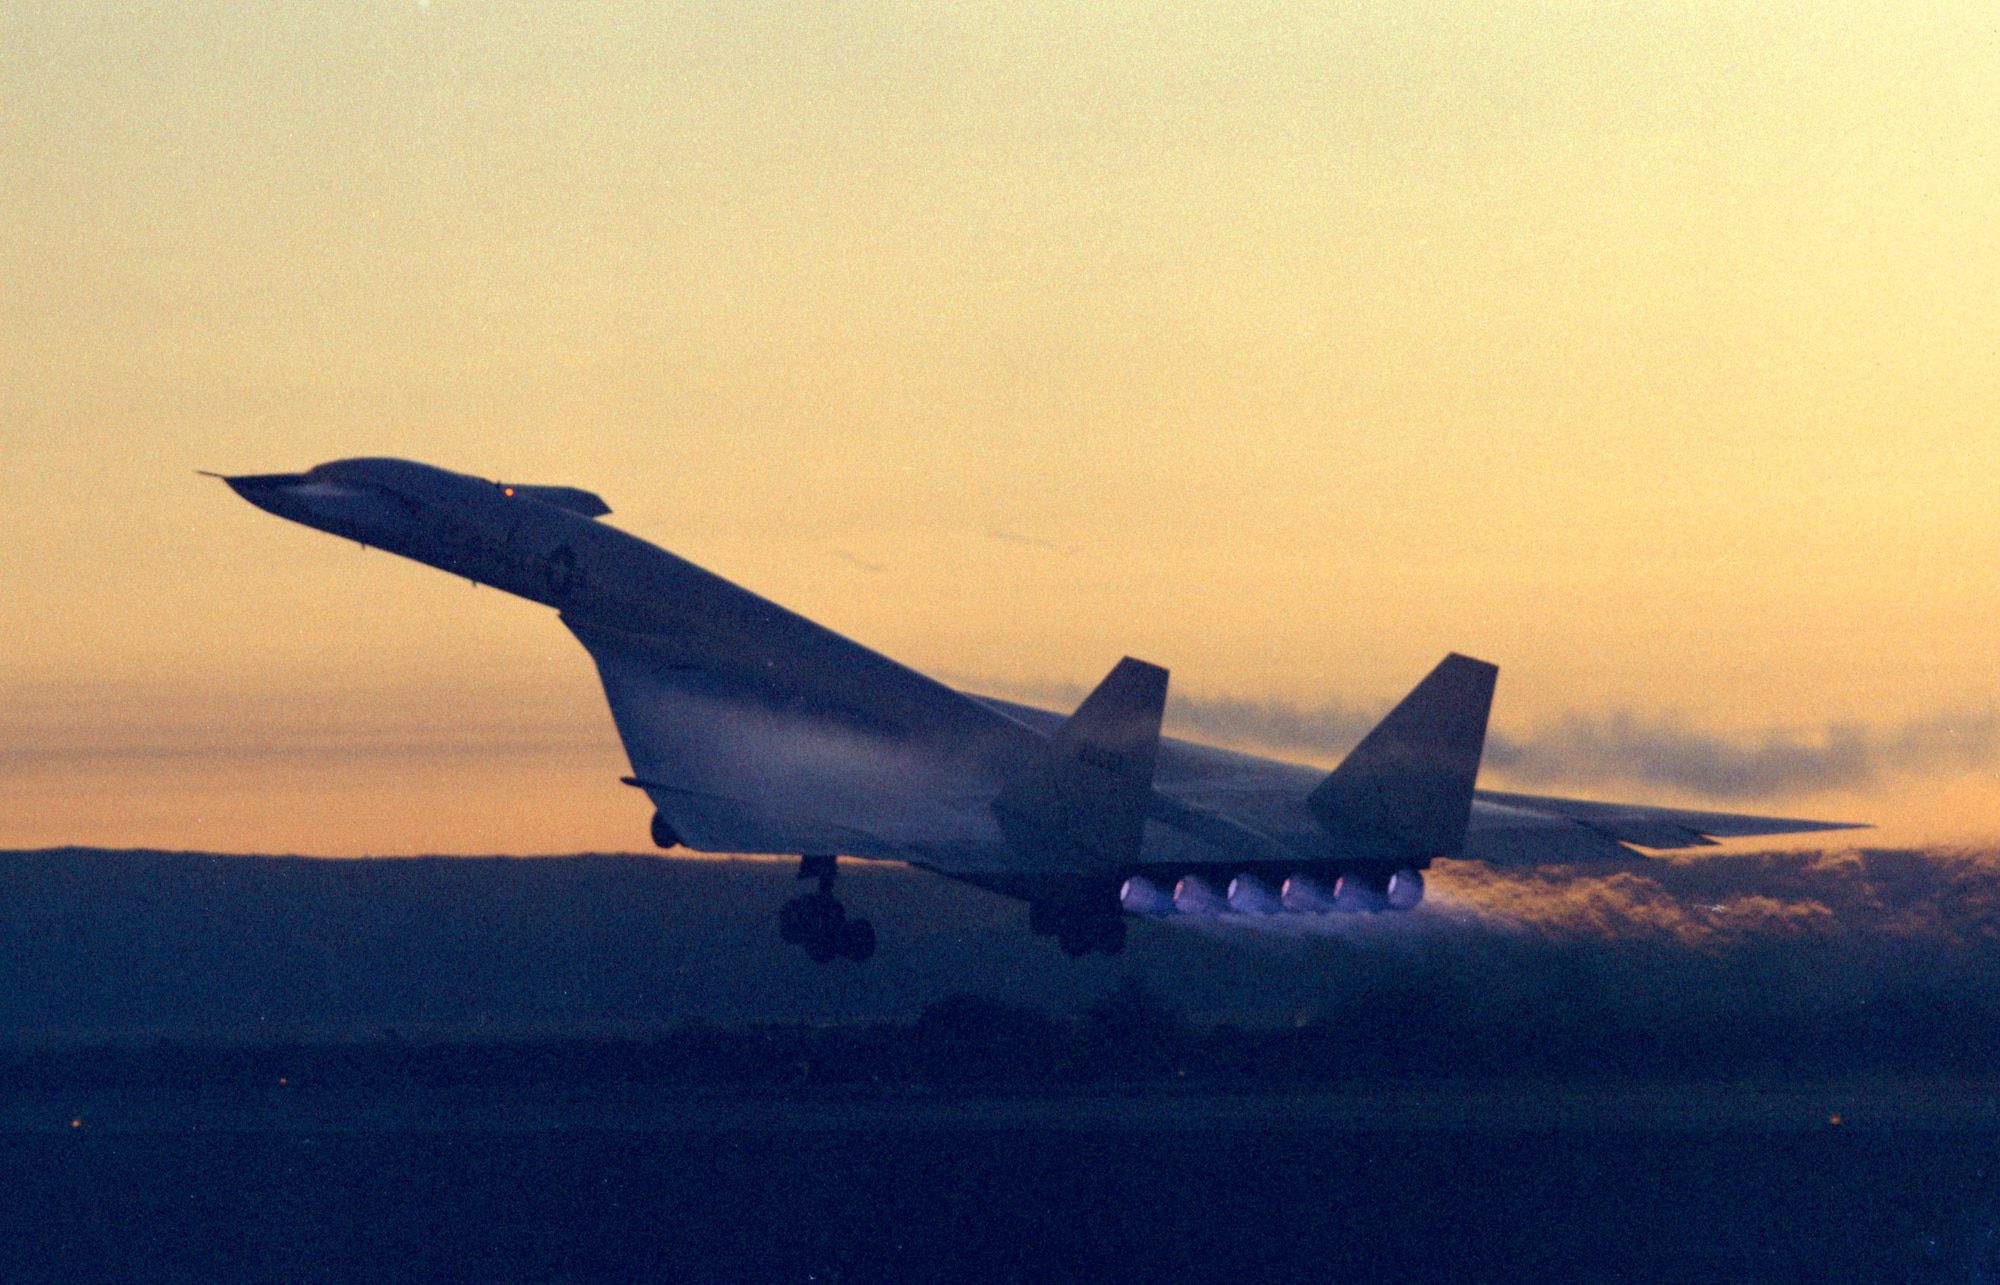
795	921
857	940
663	834
821	948
814	921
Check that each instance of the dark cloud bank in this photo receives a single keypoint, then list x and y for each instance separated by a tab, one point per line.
1616	748
1623	748
1800	964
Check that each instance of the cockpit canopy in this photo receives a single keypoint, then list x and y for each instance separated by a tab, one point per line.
575	499
426	482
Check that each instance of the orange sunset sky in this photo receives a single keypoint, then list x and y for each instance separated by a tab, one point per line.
1651	352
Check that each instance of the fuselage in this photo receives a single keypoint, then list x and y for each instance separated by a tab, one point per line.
501	535
752	728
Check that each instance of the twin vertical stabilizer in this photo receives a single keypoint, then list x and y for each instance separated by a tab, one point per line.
1401	797
1082	801
1405	792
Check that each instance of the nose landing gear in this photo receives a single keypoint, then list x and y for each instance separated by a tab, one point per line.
817	921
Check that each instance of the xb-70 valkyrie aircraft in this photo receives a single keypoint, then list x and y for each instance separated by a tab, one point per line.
753	730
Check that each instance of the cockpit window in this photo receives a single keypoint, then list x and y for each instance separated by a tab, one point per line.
575	499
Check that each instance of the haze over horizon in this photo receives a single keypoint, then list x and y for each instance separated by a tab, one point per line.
1648	354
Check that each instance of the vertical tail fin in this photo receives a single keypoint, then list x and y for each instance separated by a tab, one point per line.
1083	799
1405	792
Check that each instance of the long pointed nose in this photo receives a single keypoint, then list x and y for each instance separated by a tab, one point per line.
361	512
268	491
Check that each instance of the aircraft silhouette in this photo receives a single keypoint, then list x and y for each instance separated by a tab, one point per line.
754	730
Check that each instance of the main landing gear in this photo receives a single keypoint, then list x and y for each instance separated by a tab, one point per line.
817	921
1081	925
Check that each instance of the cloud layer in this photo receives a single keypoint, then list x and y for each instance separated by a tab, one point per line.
1624	748
1618	747
1839	958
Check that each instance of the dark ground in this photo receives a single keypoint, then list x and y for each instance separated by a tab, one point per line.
608	1069
1002	1204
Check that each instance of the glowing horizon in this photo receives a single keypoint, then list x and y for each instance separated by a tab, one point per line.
1645	354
